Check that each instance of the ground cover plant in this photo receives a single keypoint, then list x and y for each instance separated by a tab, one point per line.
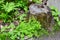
10	12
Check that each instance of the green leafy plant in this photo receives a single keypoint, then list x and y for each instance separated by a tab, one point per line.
56	14
37	1
29	29
8	7
1	1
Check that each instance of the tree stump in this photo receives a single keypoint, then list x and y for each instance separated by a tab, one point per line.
43	14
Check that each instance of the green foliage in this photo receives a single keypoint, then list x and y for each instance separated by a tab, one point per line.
29	29
37	1
1	1
8	12
56	14
8	7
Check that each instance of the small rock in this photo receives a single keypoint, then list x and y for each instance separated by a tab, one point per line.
16	23
30	39
0	27
25	37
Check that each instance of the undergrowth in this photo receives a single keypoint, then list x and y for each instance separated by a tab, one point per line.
56	15
30	29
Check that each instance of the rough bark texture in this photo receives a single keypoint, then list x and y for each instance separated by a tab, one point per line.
43	14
